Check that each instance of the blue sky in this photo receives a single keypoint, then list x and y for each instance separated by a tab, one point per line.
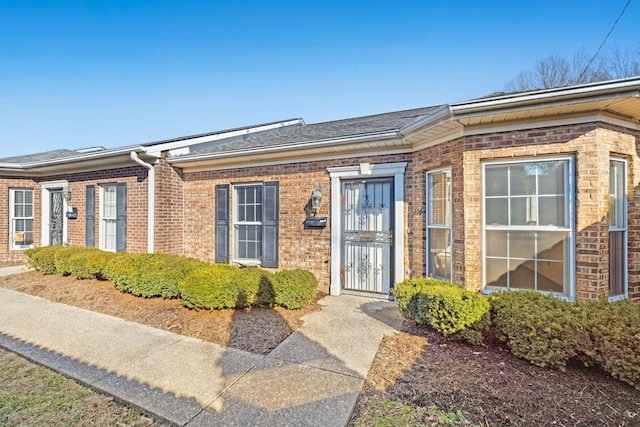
76	74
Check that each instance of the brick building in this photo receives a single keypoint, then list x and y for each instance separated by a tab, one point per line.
533	190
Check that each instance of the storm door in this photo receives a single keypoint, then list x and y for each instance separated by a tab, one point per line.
367	235
56	217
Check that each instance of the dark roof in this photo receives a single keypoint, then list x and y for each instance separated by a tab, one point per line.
40	157
367	125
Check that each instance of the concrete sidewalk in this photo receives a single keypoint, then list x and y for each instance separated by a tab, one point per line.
312	378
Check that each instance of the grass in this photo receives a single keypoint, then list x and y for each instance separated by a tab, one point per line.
391	413
35	396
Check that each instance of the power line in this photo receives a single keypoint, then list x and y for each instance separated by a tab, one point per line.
603	42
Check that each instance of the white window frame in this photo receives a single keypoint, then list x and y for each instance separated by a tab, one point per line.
434	226
237	223
104	218
624	228
570	187
12	232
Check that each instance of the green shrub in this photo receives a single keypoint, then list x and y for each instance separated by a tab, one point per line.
43	258
254	286
72	261
149	275
614	344
208	287
540	328
445	307
294	288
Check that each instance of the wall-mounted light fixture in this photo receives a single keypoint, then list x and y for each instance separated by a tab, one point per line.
66	194
316	199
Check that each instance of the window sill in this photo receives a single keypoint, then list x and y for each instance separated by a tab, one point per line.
244	263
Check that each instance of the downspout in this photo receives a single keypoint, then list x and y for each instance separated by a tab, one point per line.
151	201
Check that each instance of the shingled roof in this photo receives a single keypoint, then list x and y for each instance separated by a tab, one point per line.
358	126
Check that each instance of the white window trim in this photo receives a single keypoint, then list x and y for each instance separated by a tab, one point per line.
365	170
47	187
249	262
14	246
625	220
428	226
101	228
570	211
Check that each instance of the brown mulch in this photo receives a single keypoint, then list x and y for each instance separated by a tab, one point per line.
492	387
258	330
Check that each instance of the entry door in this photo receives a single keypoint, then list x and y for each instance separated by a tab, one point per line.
56	218
367	235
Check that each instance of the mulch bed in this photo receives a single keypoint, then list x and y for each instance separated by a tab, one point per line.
258	330
492	387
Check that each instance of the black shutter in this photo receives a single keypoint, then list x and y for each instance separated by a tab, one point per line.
270	225
90	224
222	223
121	217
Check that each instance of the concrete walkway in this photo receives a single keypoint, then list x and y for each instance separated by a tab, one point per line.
312	378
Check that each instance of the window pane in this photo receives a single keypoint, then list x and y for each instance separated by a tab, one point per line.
616	194
496	272
522	274
551	177
552	245
496	180
437	213
28	197
440	253
18	211
524	211
522	178
551	276
552	211
18	196
496	244
497	211
522	244
28	211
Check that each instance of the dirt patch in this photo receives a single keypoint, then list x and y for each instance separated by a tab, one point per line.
258	330
492	387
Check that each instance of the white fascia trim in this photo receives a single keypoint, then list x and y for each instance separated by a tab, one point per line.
177	145
440	115
364	170
287	147
526	103
46	187
310	159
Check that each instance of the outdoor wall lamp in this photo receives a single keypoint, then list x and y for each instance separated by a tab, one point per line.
316	199
66	194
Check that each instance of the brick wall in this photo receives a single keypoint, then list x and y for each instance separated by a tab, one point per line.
135	177
169	207
591	145
298	248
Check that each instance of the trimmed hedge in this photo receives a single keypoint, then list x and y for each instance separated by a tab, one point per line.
254	287
43	258
294	289
540	328
614	344
149	275
81	262
446	307
208	287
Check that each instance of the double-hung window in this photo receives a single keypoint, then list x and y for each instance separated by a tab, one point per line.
617	229
113	230
21	218
439	239
528	225
248	222
255	223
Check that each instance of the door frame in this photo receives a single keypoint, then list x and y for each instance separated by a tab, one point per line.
363	171
47	188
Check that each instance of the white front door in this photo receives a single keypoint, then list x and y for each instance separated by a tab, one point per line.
367	235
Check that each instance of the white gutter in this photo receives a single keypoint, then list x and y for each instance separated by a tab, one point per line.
151	202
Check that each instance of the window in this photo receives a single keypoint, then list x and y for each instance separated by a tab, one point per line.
528	225
439	241
617	229
113	217
21	218
255	223
248	224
